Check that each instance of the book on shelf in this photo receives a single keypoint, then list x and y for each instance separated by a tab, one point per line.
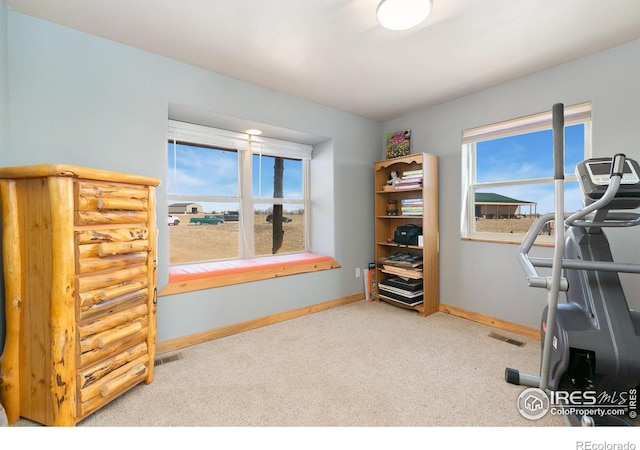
413	272
412	206
384	288
408	184
412	173
404	284
401	297
402	260
411	211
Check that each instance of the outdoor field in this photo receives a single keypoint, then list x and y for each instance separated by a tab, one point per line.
504	225
515	228
195	243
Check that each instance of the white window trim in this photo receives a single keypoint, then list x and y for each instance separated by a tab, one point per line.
574	114
542	121
216	137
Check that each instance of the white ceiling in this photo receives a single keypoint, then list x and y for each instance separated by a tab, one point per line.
333	52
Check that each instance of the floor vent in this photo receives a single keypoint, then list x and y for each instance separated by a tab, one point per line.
506	339
164	359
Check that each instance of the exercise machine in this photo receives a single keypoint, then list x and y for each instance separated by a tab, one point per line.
590	340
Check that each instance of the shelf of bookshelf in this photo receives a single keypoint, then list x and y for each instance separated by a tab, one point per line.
420	308
422	202
402	216
398	246
395	191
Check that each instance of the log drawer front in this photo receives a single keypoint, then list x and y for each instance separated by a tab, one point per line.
81	268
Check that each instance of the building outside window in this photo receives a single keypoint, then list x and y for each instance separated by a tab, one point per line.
234	196
508	174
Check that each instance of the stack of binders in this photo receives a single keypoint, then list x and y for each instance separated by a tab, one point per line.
407	291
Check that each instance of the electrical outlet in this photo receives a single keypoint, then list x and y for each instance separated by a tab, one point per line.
357	272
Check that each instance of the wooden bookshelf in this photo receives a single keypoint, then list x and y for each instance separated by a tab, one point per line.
409	199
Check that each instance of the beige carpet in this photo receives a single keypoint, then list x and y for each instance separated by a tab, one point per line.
363	364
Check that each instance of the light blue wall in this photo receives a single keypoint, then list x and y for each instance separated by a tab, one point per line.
4	82
484	277
82	100
4	127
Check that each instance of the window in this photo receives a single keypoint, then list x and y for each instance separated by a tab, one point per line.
508	173
234	196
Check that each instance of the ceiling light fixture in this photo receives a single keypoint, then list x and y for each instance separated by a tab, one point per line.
253	132
402	14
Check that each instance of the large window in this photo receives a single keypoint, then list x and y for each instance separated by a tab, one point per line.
508	173
234	196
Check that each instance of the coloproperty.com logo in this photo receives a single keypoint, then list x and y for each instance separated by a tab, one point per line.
534	403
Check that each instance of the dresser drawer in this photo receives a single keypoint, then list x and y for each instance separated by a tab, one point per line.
111	248
113	278
105	335
111	377
110	203
99	301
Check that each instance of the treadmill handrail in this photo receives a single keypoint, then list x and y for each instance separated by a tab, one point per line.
533	277
529	263
578	264
601	203
613	219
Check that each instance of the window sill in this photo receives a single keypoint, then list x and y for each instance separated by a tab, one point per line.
192	277
545	241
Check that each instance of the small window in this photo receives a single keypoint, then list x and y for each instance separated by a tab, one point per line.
232	196
508	174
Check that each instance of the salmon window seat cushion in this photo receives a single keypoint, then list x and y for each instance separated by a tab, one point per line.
191	277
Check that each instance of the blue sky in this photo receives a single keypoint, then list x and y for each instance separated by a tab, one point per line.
204	171
530	156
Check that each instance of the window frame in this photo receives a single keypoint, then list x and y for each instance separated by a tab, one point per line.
574	114
246	146
249	225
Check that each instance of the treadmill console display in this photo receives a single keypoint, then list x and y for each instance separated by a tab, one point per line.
600	172
594	175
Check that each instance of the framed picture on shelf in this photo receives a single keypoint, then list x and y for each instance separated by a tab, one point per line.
398	144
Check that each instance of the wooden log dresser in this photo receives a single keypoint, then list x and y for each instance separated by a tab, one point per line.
79	264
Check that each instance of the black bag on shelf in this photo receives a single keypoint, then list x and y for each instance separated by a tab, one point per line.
407	234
